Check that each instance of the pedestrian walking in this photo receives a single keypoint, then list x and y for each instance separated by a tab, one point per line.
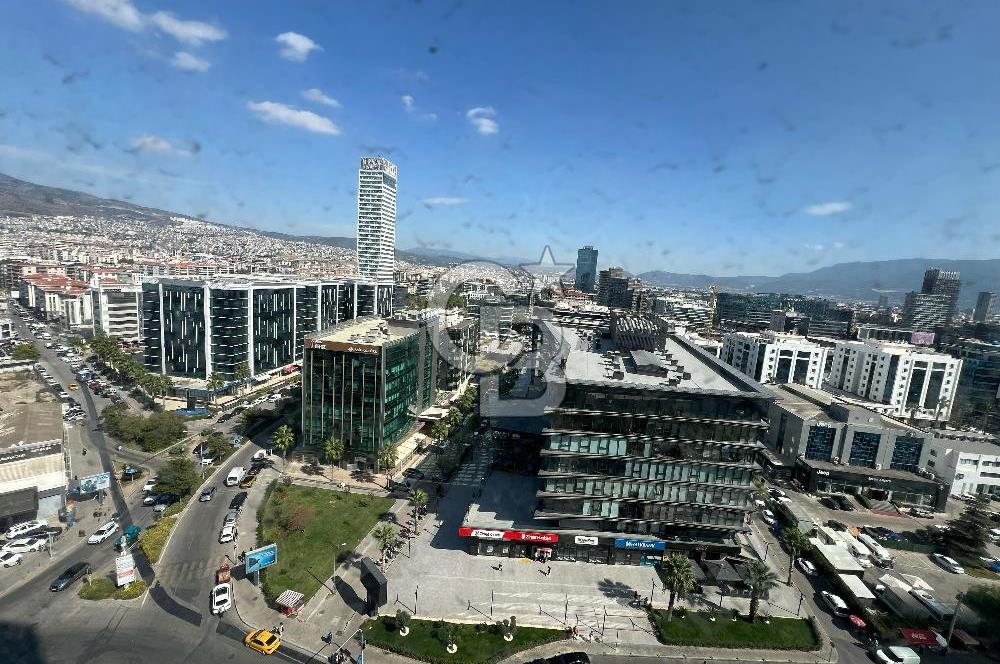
281	629
500	567
548	571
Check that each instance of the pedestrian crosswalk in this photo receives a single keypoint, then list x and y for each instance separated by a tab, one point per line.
187	570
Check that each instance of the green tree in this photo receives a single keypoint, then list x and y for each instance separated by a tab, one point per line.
177	477
454	417
25	352
759	488
796	542
419	498
283	439
678	577
439	430
969	533
333	450
761	580
242	374
384	535
388	455
215	381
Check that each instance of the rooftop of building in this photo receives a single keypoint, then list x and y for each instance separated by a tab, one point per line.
242	281
56	283
894	348
813	404
886	473
771	336
24	421
371	332
679	365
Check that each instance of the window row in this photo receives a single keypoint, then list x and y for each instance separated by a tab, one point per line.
710	495
650	470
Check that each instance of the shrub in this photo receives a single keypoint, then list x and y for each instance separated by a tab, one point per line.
154	538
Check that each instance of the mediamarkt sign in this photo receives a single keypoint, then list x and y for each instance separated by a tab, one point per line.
509	535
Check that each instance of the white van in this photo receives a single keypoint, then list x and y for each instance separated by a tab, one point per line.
235	476
897	655
15	532
879	555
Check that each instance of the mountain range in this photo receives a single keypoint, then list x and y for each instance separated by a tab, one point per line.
857	281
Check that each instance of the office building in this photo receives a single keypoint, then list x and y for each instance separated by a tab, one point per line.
376	242
6	329
631	332
900	380
941	282
985	303
774	357
754	312
58	299
646	453
978	396
967	461
364	382
871	332
835	446
613	289
116	309
603	279
586	269
926	312
692	313
194	328
494	312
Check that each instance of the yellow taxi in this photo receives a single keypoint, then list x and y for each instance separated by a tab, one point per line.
262	641
73	386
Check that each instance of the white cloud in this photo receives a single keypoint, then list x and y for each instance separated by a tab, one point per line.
815	247
190	32
838	245
318	96
407	102
442	200
827	209
483	118
272	111
152	143
410	106
186	61
296	47
121	13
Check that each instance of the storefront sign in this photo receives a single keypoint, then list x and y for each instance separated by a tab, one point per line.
585	539
509	535
124	569
824	473
881	480
639	545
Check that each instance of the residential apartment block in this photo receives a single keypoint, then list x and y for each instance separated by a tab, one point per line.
773	357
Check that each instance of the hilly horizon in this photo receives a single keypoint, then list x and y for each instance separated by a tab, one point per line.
858	280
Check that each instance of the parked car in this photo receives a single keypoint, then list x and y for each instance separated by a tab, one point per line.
248	481
806	566
896	655
103	533
222	598
844	502
150	483
881	533
10	559
567	658
71	574
837	605
921	513
262	641
829	503
207	494
25	545
768	517
838	525
948	564
228	533
150	499
231	518
238	501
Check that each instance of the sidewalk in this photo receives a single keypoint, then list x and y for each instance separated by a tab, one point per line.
677	653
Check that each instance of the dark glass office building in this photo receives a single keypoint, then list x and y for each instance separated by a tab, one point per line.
586	269
364	382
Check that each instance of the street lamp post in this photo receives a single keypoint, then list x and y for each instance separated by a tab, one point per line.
802	596
954	618
416	597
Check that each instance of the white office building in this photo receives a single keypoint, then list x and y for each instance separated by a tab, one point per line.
376	244
967	461
900	380
774	357
116	309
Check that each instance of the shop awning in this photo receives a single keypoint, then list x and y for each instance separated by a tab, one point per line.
964	638
291	599
721	571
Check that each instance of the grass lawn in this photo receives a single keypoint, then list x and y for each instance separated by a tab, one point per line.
695	629
476	644
153	539
982	573
104	588
312	528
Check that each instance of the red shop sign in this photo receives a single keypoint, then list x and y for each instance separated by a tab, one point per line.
511	535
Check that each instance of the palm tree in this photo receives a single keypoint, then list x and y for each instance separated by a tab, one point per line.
283	439
796	541
385	535
242	374
164	385
333	450
387	458
418	498
215	381
678	577
761	580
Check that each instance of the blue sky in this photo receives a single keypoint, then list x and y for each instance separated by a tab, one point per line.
724	138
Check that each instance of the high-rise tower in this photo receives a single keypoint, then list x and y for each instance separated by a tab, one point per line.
586	269
376	219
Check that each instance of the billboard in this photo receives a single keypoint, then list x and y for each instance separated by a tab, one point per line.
922	338
124	569
260	558
93	483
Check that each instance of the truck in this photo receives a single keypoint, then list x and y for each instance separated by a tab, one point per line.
794	516
235	476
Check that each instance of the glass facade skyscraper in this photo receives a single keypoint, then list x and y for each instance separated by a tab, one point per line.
586	269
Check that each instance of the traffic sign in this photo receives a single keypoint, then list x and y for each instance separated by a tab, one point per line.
260	558
124	569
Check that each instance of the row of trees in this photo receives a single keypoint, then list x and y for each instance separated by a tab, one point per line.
385	535
150	434
128	368
679	579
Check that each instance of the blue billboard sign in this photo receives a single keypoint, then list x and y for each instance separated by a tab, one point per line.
260	558
639	545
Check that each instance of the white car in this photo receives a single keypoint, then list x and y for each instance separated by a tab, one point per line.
222	598
148	486
948	564
26	545
768	517
806	566
897	655
9	559
103	533
274	398
207	460
837	605
228	534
